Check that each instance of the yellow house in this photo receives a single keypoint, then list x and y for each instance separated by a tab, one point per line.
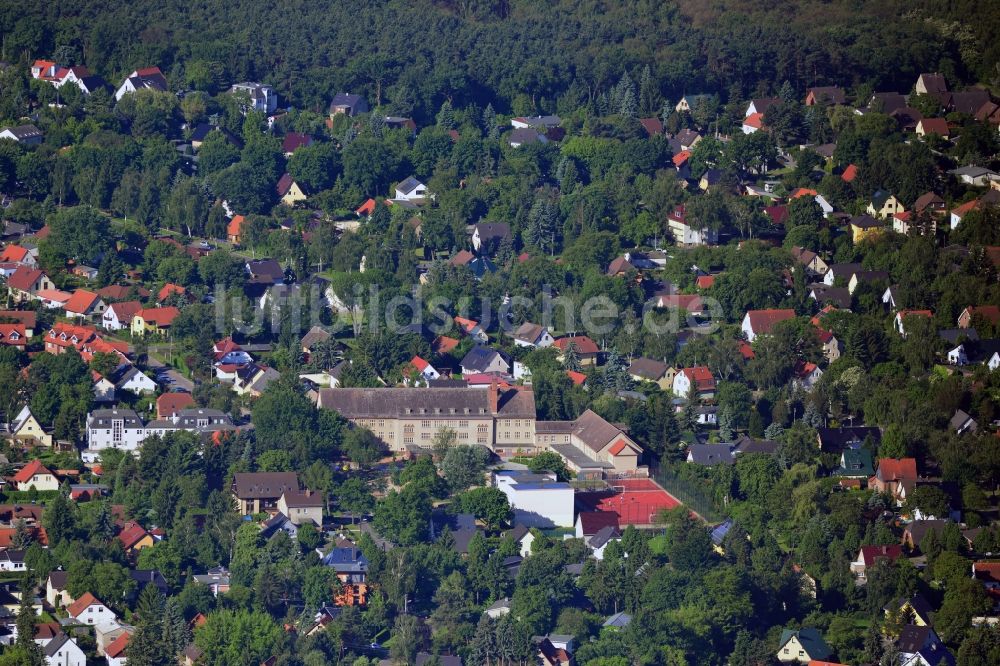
289	191
153	320
27	430
134	538
866	227
884	205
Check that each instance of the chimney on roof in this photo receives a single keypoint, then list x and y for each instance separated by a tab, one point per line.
494	396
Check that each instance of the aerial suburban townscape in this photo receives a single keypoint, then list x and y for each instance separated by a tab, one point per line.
495	333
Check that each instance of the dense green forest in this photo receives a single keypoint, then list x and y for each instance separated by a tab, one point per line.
520	56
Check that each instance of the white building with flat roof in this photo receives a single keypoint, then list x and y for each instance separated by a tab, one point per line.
538	500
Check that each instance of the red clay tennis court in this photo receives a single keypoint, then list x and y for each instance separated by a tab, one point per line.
636	501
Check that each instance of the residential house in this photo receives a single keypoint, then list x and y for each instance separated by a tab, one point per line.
837	440
587	351
869	555
990	313
916	531
841	273
411	189
216	578
689	102
825	96
348	104
813	263
600	541
261	97
150	78
265	272
855	464
55	589
133	537
930	203
13	335
591	446
63	651
18	255
753	123
153	320
866	227
920	646
805	375
234	229
424	370
289	191
302	506
28	135
931	84
761	322
651	370
35	475
975	175
119	316
524	136
686	232
936	126
481	360
252	379
710	455
532	335
115	652
25	282
487	236
129	378
697	378
915	610
472	329
28	319
26	429
88	609
884	205
903	315
12	561
256	492
866	277
961	422
802	646
895	477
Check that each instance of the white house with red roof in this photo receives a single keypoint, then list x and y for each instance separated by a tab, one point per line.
83	304
115	651
761	322
869	555
118	316
472	329
424	369
13	335
35	475
15	254
698	377
88	609
805	375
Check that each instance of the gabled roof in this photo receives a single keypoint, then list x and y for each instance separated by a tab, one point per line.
256	485
131	534
24	278
763	321
700	377
870	554
30	470
937	126
933	83
82	604
295	140
849	174
810	640
891	469
648	368
583	344
234	226
593	521
158	316
14	253
116	648
81	302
